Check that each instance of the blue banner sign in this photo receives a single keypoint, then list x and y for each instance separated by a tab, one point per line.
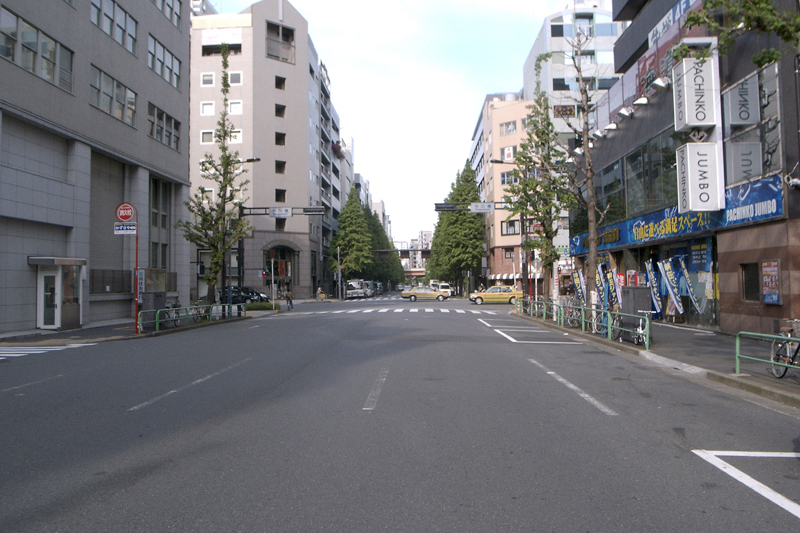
745	203
613	295
652	282
689	288
580	287
598	283
671	278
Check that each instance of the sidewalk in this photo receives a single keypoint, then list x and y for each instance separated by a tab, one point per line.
705	352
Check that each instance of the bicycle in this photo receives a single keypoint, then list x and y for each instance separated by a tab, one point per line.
785	354
200	313
640	333
172	315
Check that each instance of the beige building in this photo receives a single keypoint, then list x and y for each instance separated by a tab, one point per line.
280	104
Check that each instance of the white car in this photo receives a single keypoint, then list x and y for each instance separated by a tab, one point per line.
445	287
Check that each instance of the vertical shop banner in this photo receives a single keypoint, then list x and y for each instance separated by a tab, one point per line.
598	283
689	288
671	278
771	281
580	287
652	282
613	294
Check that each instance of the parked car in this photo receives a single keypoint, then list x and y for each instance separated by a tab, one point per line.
498	294
242	295
423	293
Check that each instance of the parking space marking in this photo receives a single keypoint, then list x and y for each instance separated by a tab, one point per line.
713	457
512	339
596	403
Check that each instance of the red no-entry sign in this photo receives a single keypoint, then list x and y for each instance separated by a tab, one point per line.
125	212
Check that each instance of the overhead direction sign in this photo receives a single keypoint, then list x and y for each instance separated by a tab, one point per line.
281	212
481	207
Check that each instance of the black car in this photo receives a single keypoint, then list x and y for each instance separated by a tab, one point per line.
243	295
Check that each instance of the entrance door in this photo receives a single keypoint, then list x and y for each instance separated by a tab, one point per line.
48	299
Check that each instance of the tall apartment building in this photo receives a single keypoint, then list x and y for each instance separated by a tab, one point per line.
94	107
725	224
280	103
592	20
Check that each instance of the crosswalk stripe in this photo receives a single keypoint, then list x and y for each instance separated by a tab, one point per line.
398	310
21	351
384	310
445	310
460	311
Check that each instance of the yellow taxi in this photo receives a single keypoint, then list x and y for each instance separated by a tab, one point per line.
499	294
423	293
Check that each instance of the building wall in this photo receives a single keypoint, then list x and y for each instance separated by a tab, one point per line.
57	199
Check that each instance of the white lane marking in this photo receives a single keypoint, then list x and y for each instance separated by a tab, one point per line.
384	310
445	310
368	310
482	321
490	312
192	384
354	311
414	310
398	310
512	339
252	327
337	312
429	310
374	394
599	405
474	312
775	497
460	311
321	312
32	383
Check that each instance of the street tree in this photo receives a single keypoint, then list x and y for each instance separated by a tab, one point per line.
386	266
215	224
353	240
730	19
541	186
459	235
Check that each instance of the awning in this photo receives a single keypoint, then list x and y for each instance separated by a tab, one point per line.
51	261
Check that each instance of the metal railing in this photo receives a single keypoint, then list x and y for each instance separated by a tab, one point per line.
609	324
762	337
183	316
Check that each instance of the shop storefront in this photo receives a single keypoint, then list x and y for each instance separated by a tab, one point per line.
678	252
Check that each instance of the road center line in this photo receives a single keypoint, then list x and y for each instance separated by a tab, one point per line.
32	383
374	394
192	384
602	407
775	497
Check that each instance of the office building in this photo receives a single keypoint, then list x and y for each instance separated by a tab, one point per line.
94	110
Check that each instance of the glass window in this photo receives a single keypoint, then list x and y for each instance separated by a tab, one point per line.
65	69
560	84
29	37
509	227
47	58
605	29
119	26
235	107
751	288
97	8
235	78
107	22
508	128
635	182
8	34
130	42
206	137
206	109
236	136
207	79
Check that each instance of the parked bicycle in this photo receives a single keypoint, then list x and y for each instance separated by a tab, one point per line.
640	334
200	312
601	323
785	353
172	315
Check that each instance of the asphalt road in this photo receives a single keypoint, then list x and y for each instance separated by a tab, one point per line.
383	415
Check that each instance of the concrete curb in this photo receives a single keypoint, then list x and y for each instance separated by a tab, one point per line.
740	381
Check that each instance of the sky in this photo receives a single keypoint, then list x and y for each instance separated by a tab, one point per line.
408	79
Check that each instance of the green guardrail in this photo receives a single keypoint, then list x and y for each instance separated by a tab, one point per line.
609	324
184	316
763	337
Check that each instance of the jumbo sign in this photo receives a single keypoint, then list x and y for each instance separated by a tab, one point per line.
698	178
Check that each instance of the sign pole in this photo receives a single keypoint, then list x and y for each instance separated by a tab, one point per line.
136	276
124	213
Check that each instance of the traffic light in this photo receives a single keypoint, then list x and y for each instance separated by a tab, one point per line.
264	274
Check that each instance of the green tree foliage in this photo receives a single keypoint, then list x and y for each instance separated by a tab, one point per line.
215	223
458	238
353	240
541	188
386	266
730	19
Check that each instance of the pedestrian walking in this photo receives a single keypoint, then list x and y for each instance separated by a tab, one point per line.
289	304
319	293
